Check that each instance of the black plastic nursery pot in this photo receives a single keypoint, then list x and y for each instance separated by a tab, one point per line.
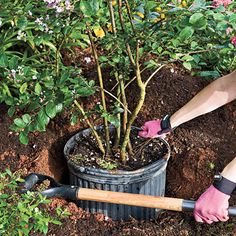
149	180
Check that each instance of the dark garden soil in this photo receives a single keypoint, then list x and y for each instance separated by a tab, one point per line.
200	148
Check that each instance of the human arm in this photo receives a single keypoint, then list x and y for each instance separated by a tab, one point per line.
213	204
213	96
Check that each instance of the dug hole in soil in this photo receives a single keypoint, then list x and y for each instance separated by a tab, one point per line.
199	149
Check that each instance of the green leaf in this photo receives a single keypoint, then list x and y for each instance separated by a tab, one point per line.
175	42
187	58
3	60
11	111
118	110
222	26
219	16
50	45
8	172
113	120
196	58
26	118
198	20
51	110
197	4
194	44
195	18
22	22
59	107
13	62
19	122
85	91
23	138
210	74
232	18
186	33
43	119
45	229
38	88
91	83
187	65
6	89
74	119
33	105
56	222
86	8
4	196
103	58
23	88
116	59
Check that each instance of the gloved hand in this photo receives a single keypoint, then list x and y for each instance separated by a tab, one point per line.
155	128
212	206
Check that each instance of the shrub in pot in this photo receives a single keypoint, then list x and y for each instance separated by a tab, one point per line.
121	41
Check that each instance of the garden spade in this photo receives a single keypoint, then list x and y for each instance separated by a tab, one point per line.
77	193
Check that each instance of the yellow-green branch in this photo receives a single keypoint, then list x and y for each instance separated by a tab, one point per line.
99	141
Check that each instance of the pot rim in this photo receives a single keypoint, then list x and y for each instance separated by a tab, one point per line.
161	162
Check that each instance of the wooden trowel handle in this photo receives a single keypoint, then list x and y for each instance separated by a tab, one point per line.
166	203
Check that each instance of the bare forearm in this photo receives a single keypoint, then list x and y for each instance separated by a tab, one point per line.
215	95
229	171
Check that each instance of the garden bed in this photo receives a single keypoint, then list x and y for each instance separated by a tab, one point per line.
200	148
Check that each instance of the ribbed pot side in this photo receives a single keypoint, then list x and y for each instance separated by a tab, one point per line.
149	180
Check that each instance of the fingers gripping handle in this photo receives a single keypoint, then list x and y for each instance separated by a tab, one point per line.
188	205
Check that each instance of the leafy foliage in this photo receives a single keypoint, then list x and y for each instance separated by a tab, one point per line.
22	214
34	80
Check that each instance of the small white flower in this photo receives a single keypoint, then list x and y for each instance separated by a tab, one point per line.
59	9
21	35
172	70
0	22
13	73
87	59
36	209
30	13
34	77
39	21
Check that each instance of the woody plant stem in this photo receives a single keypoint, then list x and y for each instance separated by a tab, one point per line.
138	107
99	71
99	141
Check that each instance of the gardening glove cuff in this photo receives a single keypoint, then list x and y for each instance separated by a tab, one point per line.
165	125
224	185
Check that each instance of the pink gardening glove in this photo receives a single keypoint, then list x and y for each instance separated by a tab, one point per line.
150	129
212	206
156	128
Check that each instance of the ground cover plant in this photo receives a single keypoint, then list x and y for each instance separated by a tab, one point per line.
21	214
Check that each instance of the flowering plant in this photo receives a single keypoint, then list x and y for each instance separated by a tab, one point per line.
122	35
